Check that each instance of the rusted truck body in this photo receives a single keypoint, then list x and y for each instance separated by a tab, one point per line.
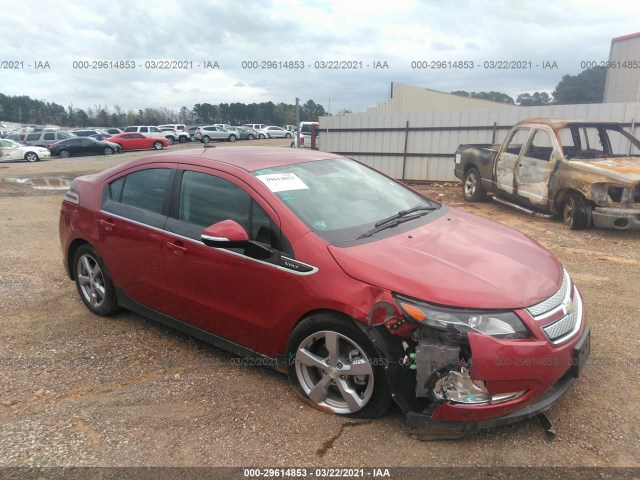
587	172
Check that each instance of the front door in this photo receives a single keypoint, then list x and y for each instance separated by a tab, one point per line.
535	168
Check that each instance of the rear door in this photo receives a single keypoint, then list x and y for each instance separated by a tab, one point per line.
130	228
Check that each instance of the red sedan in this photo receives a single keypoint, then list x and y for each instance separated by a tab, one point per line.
137	141
363	291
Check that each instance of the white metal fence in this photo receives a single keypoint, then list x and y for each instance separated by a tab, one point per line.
421	146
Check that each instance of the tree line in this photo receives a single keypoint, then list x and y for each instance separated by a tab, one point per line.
23	109
586	87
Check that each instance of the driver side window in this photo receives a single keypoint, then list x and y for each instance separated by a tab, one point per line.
206	199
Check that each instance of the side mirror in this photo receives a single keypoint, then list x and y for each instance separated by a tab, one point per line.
225	234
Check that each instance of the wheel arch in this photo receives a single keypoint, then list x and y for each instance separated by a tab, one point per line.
71	253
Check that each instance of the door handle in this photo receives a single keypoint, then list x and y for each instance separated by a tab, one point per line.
108	226
177	248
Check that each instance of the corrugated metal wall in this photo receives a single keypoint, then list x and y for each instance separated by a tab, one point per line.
432	137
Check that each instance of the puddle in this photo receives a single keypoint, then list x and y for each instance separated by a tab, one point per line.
43	183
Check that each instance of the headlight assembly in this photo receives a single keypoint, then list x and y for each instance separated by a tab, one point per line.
503	324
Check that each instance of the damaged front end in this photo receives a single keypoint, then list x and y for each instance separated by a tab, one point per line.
617	205
461	370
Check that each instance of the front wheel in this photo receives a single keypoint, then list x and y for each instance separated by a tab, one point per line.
170	140
232	138
576	213
158	145
65	153
250	136
93	282
205	139
108	151
334	366
183	139
287	135
472	189
31	157
261	136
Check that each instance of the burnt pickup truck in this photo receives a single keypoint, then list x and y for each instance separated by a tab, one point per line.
587	172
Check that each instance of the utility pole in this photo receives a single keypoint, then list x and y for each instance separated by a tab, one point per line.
297	122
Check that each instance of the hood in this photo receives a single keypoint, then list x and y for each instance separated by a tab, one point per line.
625	170
458	260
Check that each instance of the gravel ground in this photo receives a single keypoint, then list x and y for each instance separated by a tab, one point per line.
80	390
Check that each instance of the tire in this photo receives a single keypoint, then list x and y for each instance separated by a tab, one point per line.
261	136
206	139
251	137
315	373
108	151
65	153
287	135
170	140
576	214
472	189
31	157
232	138
158	145
93	282
183	140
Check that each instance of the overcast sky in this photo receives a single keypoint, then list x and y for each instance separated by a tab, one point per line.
310	31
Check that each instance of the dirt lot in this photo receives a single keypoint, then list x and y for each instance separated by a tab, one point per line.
79	390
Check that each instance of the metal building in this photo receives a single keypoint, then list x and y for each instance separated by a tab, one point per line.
623	72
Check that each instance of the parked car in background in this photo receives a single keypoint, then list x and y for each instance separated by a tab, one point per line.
588	172
138	141
178	127
17	137
245	133
41	139
192	132
273	131
12	151
4	133
151	131
78	146
101	136
113	130
178	135
363	291
208	133
306	130
255	126
88	132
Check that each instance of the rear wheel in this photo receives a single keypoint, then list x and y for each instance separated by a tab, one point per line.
472	189
169	140
250	136
65	153
158	145
232	138
108	151
287	135
31	157
334	366
206	139
576	213
183	139
93	282
261	135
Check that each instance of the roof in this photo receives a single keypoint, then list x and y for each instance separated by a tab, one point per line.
557	124
245	158
625	37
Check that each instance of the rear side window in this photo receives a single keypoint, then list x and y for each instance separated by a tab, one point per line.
49	136
33	136
144	189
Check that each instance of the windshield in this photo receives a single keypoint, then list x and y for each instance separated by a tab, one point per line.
339	199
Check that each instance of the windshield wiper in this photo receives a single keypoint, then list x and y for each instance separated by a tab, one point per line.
404	213
395	220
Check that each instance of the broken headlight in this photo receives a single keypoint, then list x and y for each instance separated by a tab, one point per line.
503	324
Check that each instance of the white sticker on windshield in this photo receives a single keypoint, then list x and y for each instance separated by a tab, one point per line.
282	182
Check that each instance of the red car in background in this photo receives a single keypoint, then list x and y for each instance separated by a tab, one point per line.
137	141
363	291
